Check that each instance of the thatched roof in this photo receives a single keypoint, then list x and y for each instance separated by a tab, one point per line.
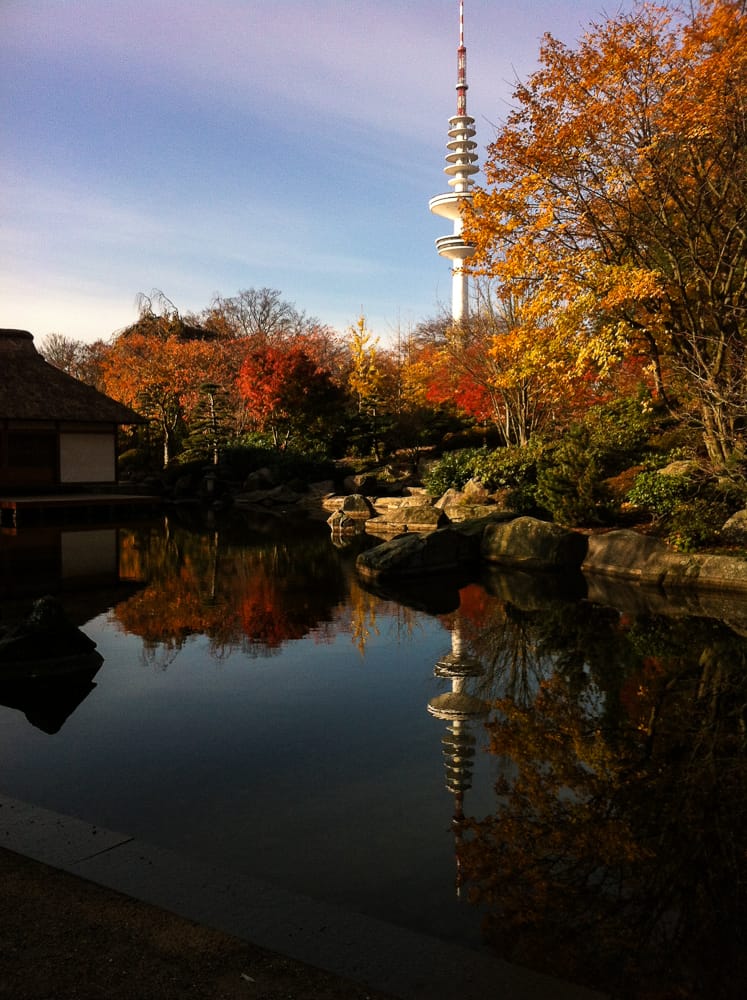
32	389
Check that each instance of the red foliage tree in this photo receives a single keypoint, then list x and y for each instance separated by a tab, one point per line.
286	392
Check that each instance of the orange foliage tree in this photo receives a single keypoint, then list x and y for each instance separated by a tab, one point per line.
497	368
161	377
615	212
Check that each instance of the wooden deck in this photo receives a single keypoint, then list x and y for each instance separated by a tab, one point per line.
64	507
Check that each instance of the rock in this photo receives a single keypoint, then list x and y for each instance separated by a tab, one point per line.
734	532
451	496
418	554
384	504
45	637
362	483
468	511
473	501
420	517
629	555
475	491
343	524
683	467
357	506
709	572
528	543
277	496
261	479
322	489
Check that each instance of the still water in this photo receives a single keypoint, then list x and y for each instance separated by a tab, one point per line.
551	764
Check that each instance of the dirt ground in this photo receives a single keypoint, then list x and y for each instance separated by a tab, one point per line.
62	938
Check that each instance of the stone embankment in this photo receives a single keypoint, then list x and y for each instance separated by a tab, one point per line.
526	543
467	528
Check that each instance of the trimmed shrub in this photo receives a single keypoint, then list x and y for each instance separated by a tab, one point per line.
570	482
689	510
452	471
659	494
511	469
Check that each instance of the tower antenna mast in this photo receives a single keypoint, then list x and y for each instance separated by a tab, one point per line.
461	165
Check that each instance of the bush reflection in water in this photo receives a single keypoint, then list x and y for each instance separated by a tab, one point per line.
241	589
616	852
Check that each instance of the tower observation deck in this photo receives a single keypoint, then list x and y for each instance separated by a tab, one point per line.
461	164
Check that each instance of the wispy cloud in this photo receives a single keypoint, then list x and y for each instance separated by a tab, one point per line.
209	146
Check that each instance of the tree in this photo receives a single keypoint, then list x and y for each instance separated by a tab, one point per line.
259	314
61	351
288	395
210	424
81	360
501	368
162	378
366	382
616	206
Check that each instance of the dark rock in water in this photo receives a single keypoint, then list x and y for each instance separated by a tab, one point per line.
48	700
531	544
45	637
415	554
435	593
532	590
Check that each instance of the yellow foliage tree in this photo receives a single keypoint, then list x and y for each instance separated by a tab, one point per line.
615	210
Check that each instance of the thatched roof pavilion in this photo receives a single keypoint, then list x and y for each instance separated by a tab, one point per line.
54	430
32	389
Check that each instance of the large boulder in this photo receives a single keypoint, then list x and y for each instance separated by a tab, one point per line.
528	543
630	555
414	554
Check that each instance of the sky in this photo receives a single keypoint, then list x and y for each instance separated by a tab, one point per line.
201	147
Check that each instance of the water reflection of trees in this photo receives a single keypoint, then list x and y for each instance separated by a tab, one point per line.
616	852
241	587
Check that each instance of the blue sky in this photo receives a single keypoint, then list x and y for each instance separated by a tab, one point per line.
205	147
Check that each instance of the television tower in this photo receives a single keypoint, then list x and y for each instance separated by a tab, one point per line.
461	164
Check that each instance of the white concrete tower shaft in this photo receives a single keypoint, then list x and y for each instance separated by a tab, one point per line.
461	164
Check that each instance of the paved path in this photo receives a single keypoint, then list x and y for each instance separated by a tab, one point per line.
405	964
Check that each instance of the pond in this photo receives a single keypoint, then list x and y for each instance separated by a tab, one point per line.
550	765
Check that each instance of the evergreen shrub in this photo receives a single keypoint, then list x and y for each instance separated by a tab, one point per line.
310	466
452	471
570	481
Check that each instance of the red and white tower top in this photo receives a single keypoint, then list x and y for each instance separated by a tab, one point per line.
461	165
462	85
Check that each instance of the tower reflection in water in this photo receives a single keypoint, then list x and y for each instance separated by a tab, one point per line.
461	710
